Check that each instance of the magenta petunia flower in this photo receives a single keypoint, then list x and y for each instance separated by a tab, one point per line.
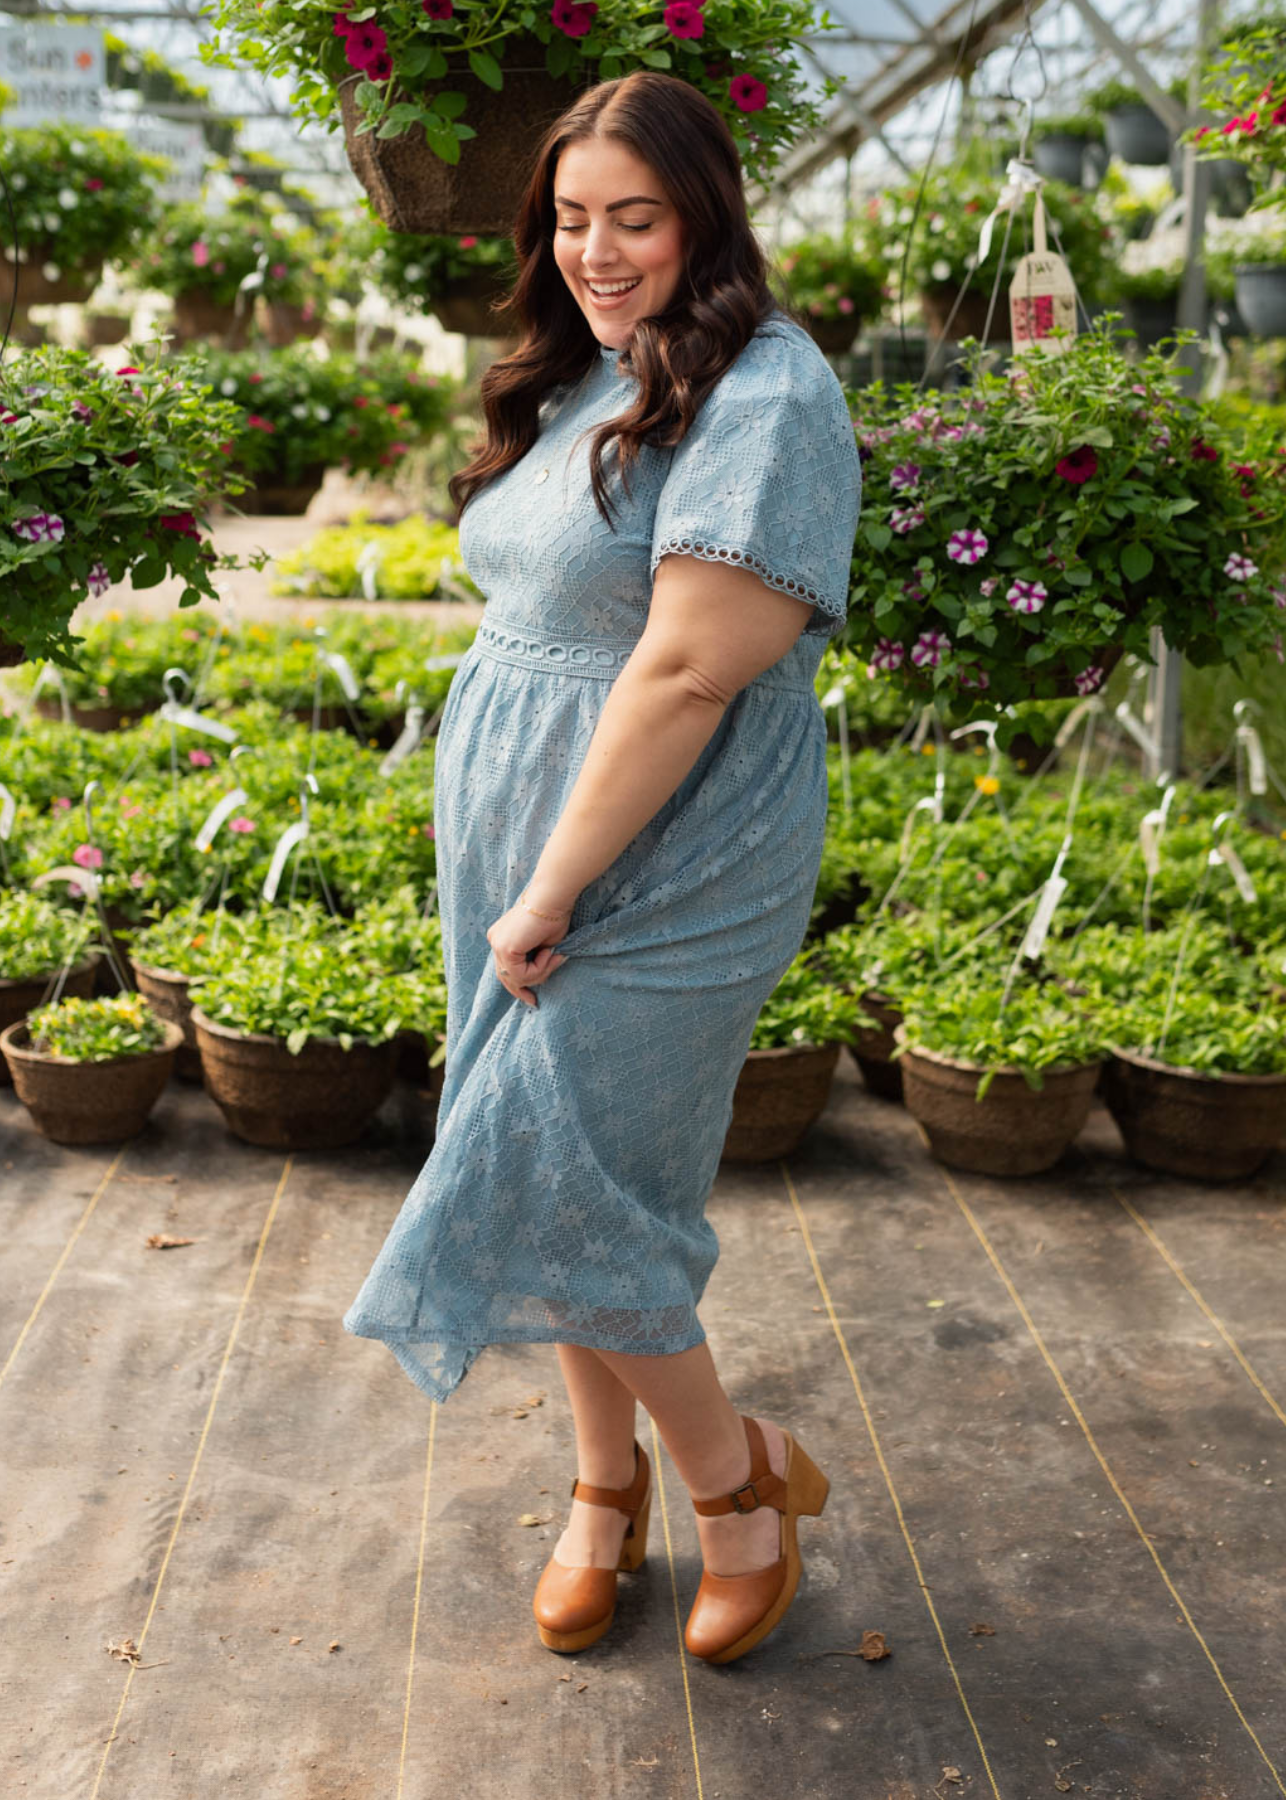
364	44
184	523
1203	452
845	304
437	9
40	528
1078	466
87	856
200	759
98	578
574	18
906	518
1089	681
683	20
1240	568
967	546
255	423
904	476
1279	597
929	649
887	656
1027	596
380	67
747	93
81	411
343	24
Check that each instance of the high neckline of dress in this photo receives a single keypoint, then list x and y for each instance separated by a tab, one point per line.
609	353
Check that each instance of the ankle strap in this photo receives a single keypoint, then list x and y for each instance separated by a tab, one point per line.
764	1488
626	1500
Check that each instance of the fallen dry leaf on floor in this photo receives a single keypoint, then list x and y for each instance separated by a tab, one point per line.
519	1412
297	1640
532	1519
981	1630
534	1400
644	1762
582	1687
1061	1782
335	1646
161	1240
873	1646
951	1774
127	1650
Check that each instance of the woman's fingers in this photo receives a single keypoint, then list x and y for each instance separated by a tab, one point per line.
532	971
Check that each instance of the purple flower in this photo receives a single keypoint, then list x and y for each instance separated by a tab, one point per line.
887	655
1027	596
99	579
966	546
929	648
40	527
1089	681
904	477
906	518
81	411
974	678
1238	568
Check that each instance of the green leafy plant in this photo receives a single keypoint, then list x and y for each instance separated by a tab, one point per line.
831	277
413	268
37	937
98	1030
314	988
80	197
1114	94
1082	124
407	63
219	253
103	472
1017	529
1245	86
412	560
1034	1031
806	1007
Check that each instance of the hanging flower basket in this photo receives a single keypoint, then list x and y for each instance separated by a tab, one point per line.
834	336
412	189
1137	135
1261	298
88	1102
36	288
21	995
779	1094
285	322
1202	1127
1014	1129
167	994
465	305
283	499
873	1050
970	316
1060	156
198	319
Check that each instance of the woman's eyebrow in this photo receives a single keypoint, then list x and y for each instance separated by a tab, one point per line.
630	200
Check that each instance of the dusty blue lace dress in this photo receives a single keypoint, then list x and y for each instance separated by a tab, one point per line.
577	1141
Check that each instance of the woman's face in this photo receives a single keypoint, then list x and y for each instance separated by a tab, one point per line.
615	223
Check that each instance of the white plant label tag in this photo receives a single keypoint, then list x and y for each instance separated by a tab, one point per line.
406	740
218	813
347	680
1258	766
8	810
833	696
1151	826
1226	855
1038	930
84	878
292	835
195	721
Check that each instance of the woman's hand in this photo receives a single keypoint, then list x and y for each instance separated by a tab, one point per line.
513	936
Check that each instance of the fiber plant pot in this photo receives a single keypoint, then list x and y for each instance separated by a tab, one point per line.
937	301
284	323
22	994
1013	1130
106	328
281	499
779	1094
834	337
166	991
34	288
1137	135
411	189
11	654
1060	156
1151	319
88	1102
94	718
1261	297
319	1100
466	305
198	319
873	1051
413	1063
1199	1127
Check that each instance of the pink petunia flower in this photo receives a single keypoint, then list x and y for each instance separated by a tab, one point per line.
683	20
1027	596
60	803
138	879
1089	681
87	856
429	832
572	19
1240	568
988	587
200	759
844	303
255	423
98	578
241	824
467	243
200	253
967	546
906	518
887	656
81	411
278	271
96	181
1079	466
929	649
437	9
904	476
748	93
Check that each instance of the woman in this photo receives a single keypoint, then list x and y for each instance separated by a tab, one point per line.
629	807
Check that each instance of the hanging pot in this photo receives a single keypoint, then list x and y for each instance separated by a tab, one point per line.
11	654
937	300
94	718
1201	1127
106	328
412	189
1151	319
282	499
1060	156
197	318
34	288
88	1102
465	305
284	322
166	992
779	1094
1261	298
1137	135
833	336
873	1050
22	994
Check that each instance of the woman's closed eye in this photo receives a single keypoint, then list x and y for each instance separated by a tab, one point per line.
623	225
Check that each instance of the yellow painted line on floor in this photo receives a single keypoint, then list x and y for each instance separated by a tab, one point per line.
419	1585
888	1476
1103	1463
196	1461
1154	1238
68	1247
659	1479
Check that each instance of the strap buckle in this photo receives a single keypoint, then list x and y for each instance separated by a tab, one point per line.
735	1497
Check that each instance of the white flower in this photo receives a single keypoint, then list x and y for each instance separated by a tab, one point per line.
299	412
51	271
67	198
905	215
228	386
414	272
941	270
17	182
1240	568
323	413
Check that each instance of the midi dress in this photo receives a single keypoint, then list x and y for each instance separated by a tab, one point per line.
577	1141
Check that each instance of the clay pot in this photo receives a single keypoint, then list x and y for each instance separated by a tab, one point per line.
834	336
412	189
197	318
33	289
778	1095
873	1051
1197	1126
88	1102
318	1100
937	301
466	305
166	991
1013	1130
94	718
22	994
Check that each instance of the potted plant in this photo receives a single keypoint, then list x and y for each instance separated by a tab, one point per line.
1133	131
404	941
78	197
1022	533
107	472
299	1046
881	960
786	1077
1249	256
1059	144
442	106
417	559
1001	1087
929	235
39	942
89	1071
835	284
461	279
215	265
1146	284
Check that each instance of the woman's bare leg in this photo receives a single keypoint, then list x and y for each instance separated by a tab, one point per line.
603	1411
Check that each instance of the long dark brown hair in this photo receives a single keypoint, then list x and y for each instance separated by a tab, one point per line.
678	354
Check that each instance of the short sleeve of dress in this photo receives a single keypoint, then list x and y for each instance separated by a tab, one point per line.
769	478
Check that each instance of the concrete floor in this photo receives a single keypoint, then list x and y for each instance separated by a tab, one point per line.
1053	1413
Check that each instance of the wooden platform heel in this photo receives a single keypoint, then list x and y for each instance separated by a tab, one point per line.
574	1607
732	1613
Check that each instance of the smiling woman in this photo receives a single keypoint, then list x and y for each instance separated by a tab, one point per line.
630	804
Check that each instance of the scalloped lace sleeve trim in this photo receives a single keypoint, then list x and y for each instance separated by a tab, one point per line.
711	552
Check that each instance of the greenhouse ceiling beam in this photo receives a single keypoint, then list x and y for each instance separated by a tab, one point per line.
31	9
870	125
1163	104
